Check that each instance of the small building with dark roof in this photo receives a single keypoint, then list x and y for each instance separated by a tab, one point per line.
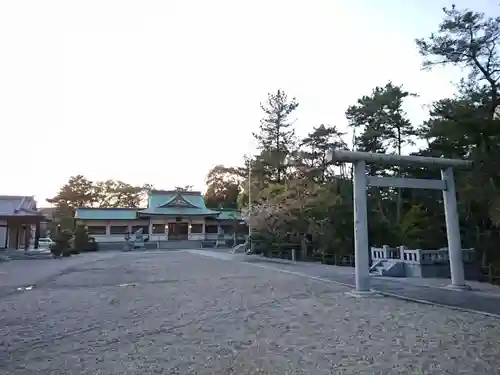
19	222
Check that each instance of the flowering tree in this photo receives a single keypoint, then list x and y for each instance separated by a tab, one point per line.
286	212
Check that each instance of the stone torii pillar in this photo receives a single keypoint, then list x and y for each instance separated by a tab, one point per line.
362	181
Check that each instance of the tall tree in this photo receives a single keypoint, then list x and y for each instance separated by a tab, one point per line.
316	146
81	192
467	124
276	137
382	120
77	192
468	39
385	126
456	128
259	179
368	129
223	188
118	194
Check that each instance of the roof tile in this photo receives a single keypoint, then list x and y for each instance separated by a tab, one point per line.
17	205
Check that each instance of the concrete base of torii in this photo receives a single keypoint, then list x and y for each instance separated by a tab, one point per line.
459	288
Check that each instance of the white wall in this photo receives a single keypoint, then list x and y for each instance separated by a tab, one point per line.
152	237
155	237
108	237
197	236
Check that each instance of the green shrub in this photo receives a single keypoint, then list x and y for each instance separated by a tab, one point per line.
72	249
61	245
81	240
261	242
55	249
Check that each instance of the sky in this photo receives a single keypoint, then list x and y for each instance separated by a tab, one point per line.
159	92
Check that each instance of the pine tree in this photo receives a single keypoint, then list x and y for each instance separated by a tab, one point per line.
276	139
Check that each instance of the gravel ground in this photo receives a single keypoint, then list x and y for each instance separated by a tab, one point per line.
180	313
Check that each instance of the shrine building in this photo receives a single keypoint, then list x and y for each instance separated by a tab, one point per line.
171	216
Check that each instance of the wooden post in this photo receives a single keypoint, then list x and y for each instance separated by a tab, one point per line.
37	234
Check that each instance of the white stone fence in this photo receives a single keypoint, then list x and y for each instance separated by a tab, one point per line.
224	236
418	256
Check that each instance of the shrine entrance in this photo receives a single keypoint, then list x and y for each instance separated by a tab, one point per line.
178	231
361	181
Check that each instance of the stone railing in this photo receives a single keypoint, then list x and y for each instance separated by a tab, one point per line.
419	256
215	236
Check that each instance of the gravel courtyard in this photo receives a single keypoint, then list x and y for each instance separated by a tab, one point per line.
181	313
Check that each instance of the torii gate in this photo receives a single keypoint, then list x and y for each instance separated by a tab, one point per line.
361	181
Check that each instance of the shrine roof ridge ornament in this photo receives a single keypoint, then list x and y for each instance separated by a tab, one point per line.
334	155
174	192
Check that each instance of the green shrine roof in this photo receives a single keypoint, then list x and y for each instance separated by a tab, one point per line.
230	215
176	203
160	202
